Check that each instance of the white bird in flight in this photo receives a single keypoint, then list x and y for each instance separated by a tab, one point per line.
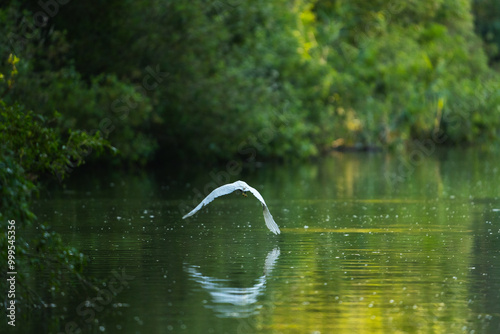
243	188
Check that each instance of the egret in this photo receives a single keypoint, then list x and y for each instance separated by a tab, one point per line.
242	187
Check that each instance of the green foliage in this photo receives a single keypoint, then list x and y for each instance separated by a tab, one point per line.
44	254
48	81
40	149
487	25
16	189
258	80
402	69
119	111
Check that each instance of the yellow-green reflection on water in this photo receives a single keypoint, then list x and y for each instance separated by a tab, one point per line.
367	246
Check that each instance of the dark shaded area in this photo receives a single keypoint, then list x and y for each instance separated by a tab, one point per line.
487	24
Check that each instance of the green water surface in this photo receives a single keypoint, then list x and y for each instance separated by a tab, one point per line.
370	243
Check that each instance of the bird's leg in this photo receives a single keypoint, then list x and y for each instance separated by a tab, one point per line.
244	194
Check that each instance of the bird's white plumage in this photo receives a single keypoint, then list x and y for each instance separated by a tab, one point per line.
229	188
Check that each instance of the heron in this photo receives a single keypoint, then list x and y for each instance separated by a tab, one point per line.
243	188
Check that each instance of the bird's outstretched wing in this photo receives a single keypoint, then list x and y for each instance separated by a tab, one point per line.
221	191
270	223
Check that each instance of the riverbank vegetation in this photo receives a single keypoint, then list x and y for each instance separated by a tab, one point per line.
174	80
206	81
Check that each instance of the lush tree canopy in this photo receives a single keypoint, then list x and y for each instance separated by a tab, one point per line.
217	79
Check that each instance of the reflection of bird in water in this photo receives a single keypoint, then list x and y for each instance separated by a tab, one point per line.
230	302
243	188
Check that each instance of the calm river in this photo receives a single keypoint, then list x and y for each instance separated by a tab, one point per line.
370	243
